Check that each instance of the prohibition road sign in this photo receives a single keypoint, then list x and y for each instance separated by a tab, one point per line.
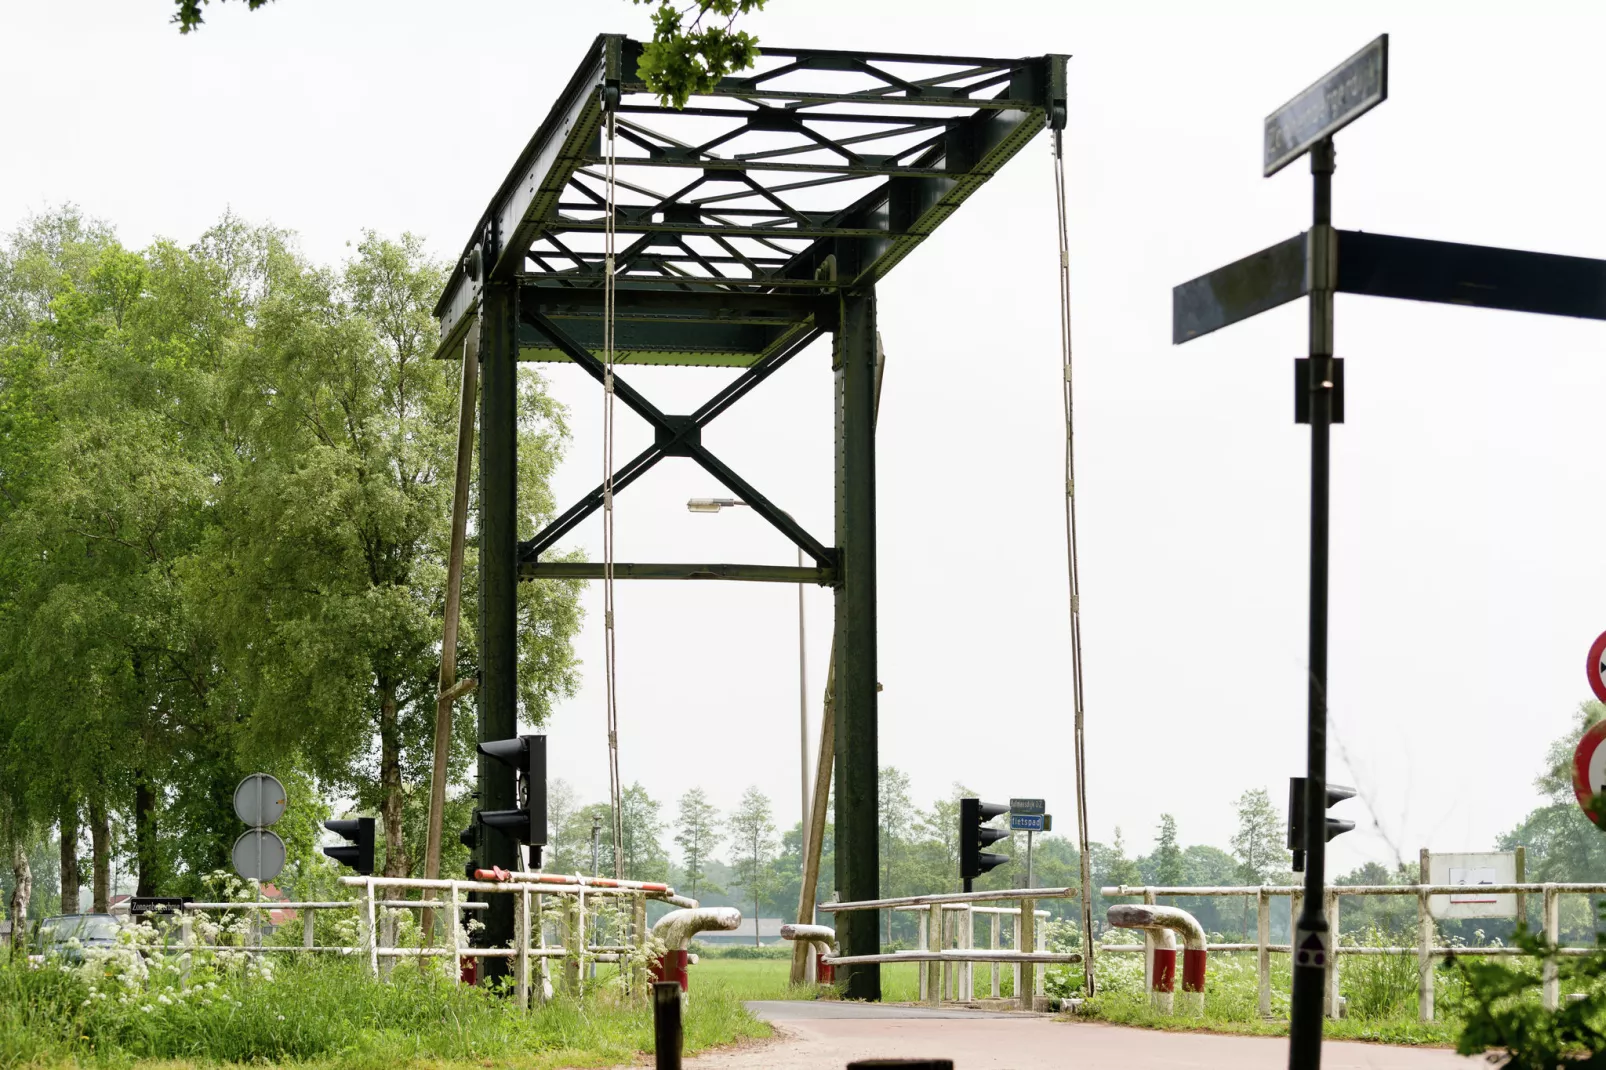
259	800
259	855
1597	666
1589	769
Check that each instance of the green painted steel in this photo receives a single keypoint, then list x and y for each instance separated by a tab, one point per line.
858	850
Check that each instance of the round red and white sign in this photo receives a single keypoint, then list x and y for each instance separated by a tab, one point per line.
1597	667
1589	770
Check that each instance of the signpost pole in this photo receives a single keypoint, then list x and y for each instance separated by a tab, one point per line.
1028	858
1305	1011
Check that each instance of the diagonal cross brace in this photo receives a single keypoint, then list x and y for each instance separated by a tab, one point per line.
676	436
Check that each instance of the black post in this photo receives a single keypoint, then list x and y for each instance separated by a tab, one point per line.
1310	964
858	860
666	1032
498	688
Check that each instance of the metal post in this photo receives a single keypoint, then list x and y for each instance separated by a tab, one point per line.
369	943
1148	948
498	541
521	973
1027	940
1334	1000
454	926
1040	971
933	971
1551	976
802	714
993	943
307	937
1424	958
666	1031
1305	1007
923	940
858	849
967	940
1028	858
1263	951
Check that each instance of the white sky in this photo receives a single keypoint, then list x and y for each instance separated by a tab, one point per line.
1467	576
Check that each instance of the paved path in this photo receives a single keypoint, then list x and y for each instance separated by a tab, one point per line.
827	1036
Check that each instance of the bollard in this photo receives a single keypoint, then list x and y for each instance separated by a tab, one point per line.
666	1034
670	968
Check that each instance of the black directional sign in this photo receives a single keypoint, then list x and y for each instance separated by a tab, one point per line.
1341	96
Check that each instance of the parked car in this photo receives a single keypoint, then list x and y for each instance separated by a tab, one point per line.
56	935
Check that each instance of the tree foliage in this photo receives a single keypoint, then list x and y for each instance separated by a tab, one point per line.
686	58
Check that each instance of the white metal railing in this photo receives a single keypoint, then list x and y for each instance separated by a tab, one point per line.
377	935
950	969
1425	950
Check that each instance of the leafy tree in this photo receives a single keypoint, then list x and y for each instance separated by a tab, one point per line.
1258	843
697	835
682	59
752	838
1168	866
898	821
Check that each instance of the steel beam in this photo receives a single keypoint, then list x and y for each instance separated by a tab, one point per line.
857	766
498	539
592	570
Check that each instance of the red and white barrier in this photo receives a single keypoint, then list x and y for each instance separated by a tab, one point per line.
676	929
822	939
1161	922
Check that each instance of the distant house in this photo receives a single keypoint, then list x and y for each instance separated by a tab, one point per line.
769	932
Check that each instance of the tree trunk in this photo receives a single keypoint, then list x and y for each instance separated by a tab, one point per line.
100	839
21	890
145	842
390	780
69	858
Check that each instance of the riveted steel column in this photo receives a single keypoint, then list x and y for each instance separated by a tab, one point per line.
499	579
857	824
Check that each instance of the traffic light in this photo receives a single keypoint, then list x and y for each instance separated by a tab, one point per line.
359	854
527	756
1336	793
974	834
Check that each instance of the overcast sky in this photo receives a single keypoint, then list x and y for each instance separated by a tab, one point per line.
1468	566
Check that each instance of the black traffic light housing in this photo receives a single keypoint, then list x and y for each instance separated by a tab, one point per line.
974	834
1336	826
527	756
359	854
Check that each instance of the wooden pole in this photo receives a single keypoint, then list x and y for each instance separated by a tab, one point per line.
814	841
449	689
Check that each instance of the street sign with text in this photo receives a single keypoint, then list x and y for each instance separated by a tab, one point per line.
1337	99
1027	822
1027	806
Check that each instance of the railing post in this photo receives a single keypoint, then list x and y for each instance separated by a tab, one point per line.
1551	975
997	922
307	934
387	939
521	962
924	941
967	940
370	944
454	925
949	939
933	969
1027	941
638	966
573	941
542	970
1263	950
1041	969
1148	948
1424	958
1330	907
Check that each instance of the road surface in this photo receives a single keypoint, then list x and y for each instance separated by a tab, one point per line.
827	1036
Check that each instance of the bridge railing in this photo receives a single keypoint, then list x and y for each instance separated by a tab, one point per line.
950	969
1425	949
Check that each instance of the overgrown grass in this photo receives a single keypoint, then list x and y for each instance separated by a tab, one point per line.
328	1013
770	978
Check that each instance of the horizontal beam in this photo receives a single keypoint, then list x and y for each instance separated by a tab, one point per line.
1415	269
592	570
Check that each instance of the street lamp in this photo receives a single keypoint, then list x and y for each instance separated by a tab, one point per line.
714	505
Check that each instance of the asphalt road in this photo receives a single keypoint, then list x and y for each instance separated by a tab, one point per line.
827	1036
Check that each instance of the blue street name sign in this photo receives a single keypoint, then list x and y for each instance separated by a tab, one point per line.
1343	95
1026	822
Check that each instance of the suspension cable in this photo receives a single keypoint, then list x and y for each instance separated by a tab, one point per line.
1070	551
610	656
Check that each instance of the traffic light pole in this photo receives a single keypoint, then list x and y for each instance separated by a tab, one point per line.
1305	1011
499	579
858	860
